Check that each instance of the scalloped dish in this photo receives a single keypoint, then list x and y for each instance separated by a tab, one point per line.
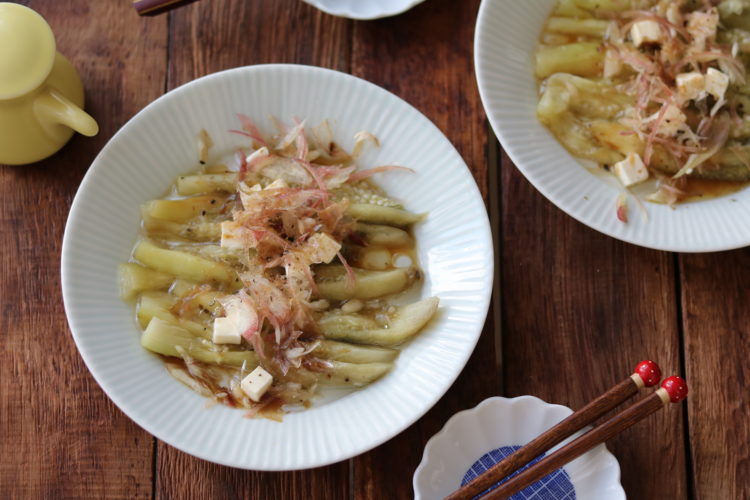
473	440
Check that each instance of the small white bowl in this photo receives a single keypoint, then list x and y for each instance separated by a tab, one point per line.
364	9
487	432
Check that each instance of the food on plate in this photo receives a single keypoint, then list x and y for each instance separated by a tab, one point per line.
651	90
262	283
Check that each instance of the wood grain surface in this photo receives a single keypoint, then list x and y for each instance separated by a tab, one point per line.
575	310
716	318
60	435
437	78
580	311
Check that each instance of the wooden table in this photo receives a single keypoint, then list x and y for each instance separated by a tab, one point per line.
573	311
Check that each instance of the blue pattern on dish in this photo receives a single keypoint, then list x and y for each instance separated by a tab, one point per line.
555	486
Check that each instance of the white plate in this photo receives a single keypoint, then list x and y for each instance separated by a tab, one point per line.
159	143
364	9
506	36
500	422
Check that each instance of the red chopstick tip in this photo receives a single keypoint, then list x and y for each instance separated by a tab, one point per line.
676	387
649	372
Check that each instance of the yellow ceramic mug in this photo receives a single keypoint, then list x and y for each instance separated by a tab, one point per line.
41	95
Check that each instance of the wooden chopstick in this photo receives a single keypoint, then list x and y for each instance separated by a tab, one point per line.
673	389
154	7
646	374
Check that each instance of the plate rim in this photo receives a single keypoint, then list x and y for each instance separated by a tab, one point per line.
122	401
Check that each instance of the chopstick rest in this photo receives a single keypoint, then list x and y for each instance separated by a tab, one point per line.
646	374
673	389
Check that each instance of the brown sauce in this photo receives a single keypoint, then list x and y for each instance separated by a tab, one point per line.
704	189
272	410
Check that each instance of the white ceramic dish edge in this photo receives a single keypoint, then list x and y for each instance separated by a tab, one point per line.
364	10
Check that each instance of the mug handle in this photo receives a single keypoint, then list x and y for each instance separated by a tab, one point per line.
52	108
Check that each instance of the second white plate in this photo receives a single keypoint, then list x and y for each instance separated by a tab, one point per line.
506	37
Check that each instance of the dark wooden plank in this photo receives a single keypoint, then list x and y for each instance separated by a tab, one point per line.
210	36
182	476
425	57
580	311
716	316
61	437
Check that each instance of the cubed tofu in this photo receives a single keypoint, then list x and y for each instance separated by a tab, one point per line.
716	83
240	318
702	26
226	332
672	120
691	85
612	64
647	31
278	184
321	248
631	170
256	383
